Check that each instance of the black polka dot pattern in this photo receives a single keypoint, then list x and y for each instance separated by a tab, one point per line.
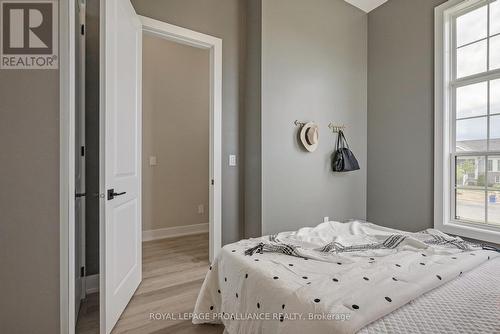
353	306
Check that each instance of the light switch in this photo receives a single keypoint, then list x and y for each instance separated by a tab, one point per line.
201	209
232	160
153	161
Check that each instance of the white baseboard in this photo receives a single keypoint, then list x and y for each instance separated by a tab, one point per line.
171	232
91	284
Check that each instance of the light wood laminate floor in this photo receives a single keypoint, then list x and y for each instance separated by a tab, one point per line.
173	271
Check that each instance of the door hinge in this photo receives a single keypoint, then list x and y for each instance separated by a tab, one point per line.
82	271
82	151
82	29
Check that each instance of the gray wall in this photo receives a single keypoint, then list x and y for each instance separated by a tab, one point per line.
29	201
175	129
253	119
314	67
401	114
224	19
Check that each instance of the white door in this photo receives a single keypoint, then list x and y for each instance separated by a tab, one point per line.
121	144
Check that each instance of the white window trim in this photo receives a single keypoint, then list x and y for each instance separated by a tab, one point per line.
443	200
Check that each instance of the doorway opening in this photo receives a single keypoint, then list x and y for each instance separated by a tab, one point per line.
175	139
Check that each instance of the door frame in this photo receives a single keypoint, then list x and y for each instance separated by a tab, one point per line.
214	45
67	77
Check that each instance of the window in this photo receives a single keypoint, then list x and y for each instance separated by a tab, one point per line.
467	139
475	56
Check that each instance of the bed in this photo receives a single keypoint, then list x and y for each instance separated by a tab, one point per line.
352	277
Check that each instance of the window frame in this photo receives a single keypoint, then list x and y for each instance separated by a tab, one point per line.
445	155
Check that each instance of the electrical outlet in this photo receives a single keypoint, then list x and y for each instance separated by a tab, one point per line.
201	209
153	161
232	160
326	219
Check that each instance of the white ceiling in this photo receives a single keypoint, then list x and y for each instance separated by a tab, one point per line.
367	5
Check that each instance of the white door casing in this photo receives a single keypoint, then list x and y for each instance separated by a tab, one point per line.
214	45
121	131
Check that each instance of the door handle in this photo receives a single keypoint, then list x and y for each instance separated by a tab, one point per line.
112	194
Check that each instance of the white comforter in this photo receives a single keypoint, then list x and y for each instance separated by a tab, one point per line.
334	292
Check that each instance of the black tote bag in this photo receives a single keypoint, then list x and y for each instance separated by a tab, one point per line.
343	158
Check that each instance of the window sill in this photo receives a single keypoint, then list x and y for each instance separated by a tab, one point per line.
486	233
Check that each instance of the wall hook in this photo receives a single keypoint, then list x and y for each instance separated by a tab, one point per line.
336	128
299	123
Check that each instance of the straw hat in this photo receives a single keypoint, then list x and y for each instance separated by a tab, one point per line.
309	136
